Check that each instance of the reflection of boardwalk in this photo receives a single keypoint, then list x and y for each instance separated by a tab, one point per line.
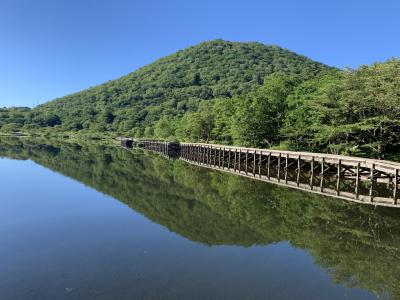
351	178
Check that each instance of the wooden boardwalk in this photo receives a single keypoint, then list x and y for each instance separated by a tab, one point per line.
356	179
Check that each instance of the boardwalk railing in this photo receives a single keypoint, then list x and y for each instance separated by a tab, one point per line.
352	178
169	149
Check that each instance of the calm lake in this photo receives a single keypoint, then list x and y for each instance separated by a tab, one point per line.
97	222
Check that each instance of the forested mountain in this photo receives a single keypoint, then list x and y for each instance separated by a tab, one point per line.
170	87
246	94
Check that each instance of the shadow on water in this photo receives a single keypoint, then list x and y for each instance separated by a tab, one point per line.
358	244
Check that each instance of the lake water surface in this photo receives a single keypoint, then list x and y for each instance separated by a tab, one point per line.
95	222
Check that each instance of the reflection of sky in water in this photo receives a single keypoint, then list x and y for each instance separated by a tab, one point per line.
60	239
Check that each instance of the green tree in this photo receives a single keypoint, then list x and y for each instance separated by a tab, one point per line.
223	110
198	125
11	127
308	109
164	128
260	114
48	119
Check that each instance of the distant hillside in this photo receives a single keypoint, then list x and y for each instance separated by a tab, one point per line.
173	85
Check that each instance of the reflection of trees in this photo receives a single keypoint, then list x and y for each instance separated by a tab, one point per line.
359	244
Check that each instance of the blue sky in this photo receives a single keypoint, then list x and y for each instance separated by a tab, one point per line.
51	48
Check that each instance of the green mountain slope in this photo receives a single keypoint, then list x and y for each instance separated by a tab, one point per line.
172	86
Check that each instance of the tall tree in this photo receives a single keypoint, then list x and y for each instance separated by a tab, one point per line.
259	115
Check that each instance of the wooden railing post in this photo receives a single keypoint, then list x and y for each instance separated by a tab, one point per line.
286	167
339	173
357	179
298	170
229	158
279	167
234	163
219	157
371	190
254	163
312	166
210	156
247	157
223	158
396	180
239	162
312	174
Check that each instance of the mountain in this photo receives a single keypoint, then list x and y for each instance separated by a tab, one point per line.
172	86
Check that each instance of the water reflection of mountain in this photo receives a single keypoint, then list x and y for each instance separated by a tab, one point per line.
359	244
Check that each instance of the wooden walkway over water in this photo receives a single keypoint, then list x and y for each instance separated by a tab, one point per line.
356	179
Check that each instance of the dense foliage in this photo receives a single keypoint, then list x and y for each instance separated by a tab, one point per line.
236	93
358	244
353	111
167	88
